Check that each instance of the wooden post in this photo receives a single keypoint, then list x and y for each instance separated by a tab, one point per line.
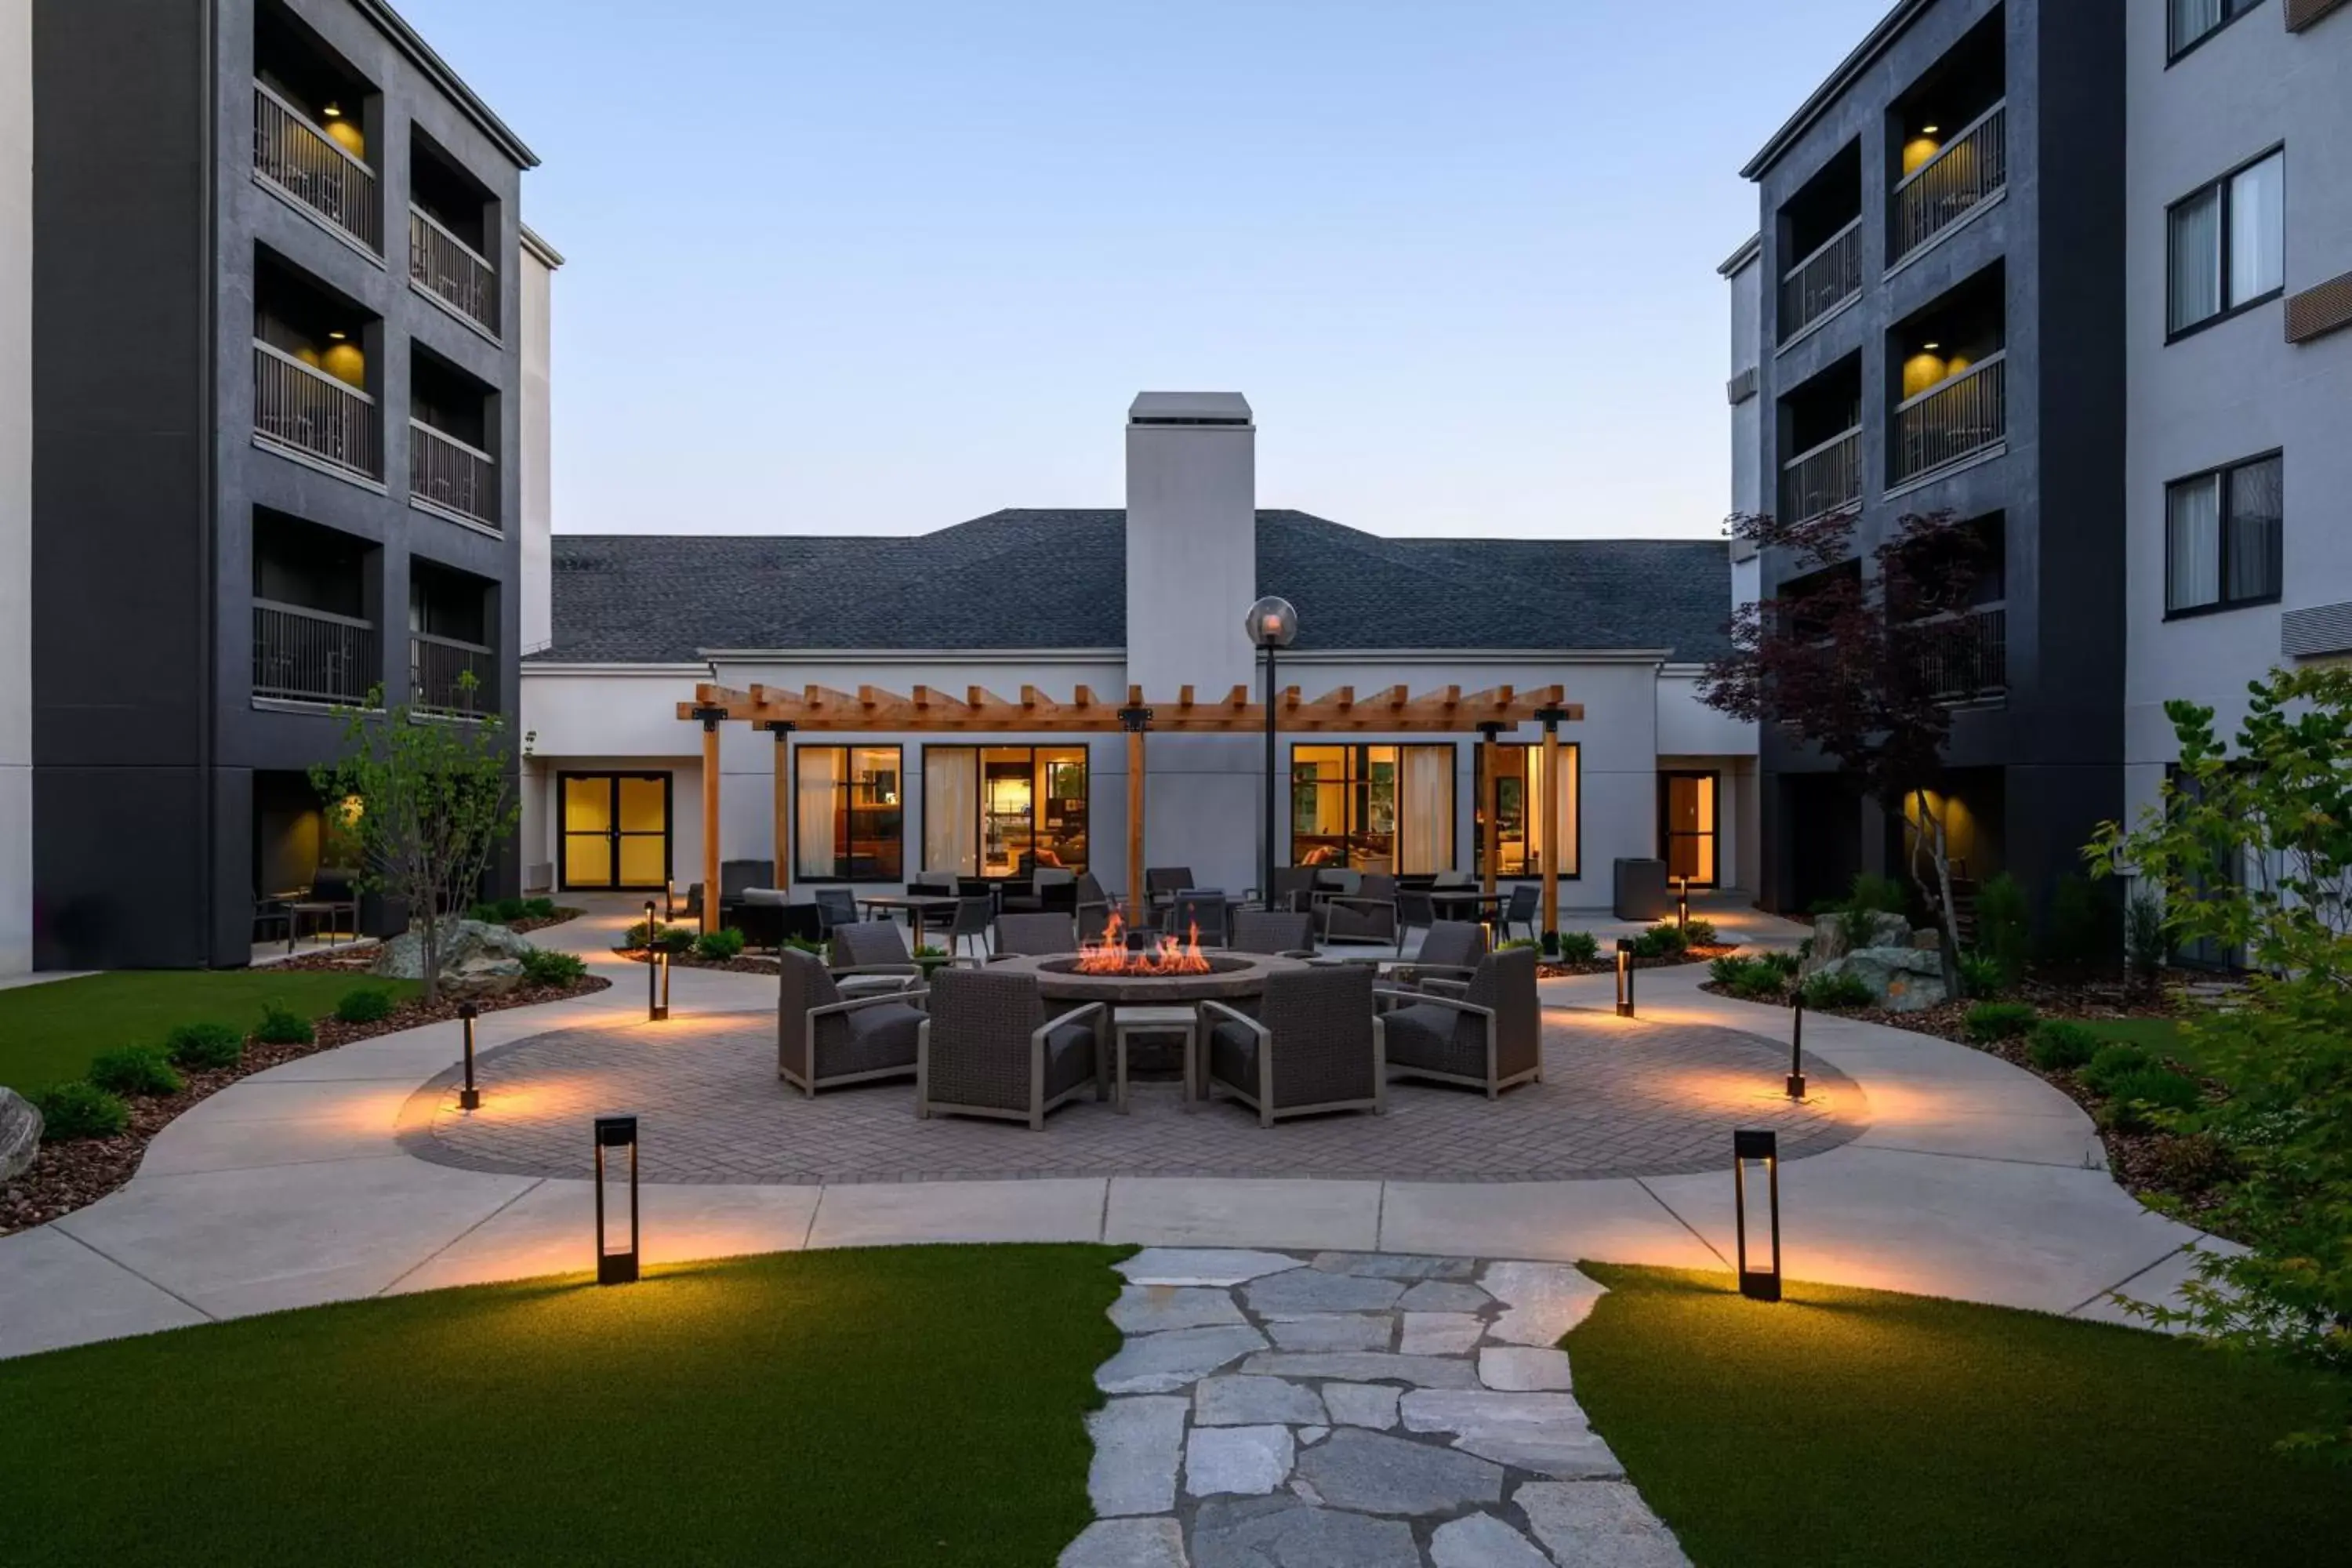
1489	851
1550	822
710	823
782	730
1136	718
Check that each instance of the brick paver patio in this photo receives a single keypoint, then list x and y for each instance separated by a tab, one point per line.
1619	1099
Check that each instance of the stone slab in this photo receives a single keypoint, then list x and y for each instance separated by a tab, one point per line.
1366	1366
1541	1301
1202	1265
1284	1532
1241	1401
1156	1364
1444	1296
1126	1543
1370	1472
1152	1309
1439	1333
1138	1442
1334	1331
1369	1405
1394	1266
1248	1462
1604	1524
1305	1292
1482	1541
1523	1368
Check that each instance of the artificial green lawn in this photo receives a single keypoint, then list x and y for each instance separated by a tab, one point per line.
49	1032
868	1408
1854	1427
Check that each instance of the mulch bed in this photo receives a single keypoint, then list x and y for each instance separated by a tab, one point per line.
741	963
1560	969
540	923
74	1174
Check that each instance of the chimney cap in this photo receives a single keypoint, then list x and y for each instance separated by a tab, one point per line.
1189	408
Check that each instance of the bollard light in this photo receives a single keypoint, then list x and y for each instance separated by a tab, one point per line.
669	897
656	971
1758	1151
1797	1044
1625	978
468	1097
616	1265
661	1009
1682	903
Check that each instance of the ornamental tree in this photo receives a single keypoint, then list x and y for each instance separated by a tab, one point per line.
1854	658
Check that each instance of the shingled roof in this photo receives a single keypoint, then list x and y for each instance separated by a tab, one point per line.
1032	579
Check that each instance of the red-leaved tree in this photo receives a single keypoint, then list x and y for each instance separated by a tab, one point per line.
1861	658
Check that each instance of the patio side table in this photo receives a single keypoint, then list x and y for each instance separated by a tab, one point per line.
1169	1020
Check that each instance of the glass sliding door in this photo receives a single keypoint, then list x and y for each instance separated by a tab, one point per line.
615	830
1005	812
1686	826
1374	808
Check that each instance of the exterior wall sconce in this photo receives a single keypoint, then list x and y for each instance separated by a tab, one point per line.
656	971
1797	1044
468	1097
1625	978
616	1265
1758	1151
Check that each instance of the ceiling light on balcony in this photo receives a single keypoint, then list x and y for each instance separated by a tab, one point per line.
1923	130
1931	348
333	111
339	337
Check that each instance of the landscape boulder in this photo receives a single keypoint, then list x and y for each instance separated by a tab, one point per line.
20	1133
1878	931
1901	979
476	957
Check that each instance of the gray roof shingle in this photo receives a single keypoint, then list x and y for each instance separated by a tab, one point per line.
1041	579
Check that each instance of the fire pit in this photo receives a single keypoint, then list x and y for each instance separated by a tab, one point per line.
1112	955
1221	977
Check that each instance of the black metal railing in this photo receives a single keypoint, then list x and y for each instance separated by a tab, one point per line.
302	160
304	407
310	655
1822	281
1951	421
446	472
1967	657
1971	169
438	666
451	271
1820	480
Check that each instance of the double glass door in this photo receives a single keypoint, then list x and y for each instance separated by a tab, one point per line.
615	830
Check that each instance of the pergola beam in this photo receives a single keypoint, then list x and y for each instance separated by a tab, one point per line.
872	710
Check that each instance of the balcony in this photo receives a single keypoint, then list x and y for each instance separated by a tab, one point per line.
1822	281
296	159
309	656
1824	479
311	413
1966	658
438	666
452	271
1968	172
447	475
1951	422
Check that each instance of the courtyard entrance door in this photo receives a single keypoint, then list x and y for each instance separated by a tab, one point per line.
615	831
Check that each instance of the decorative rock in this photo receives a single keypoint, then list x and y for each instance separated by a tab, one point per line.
1248	1460
1601	1524
20	1133
1254	1401
1392	1266
1155	1309
1439	1333
1482	1541
476	946
1361	1403
1878	931
1544	1300
1546	1432
1333	1331
1155	1364
1444	1295
1522	1369
1202	1265
1310	1436
1305	1292
1928	939
1363	1366
1284	1533
1902	979
1370	1473
1128	1543
1137	1444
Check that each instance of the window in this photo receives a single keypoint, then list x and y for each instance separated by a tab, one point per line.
2222	537
847	825
1003	811
1686	827
2227	245
1514	798
1383	809
2194	21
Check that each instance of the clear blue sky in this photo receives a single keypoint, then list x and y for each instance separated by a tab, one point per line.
878	265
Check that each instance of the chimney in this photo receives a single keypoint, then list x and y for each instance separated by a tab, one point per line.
1192	541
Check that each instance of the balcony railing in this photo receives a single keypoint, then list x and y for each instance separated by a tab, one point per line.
302	160
1967	657
437	669
314	414
1971	169
1953	421
1822	281
1822	479
309	656
452	271
445	472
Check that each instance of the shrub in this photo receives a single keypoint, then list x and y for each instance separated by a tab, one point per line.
1881	895
545	966
2078	924
802	945
1578	947
281	1026
2194	1162
2132	1096
1783	964
204	1045
538	908
73	1111
2146	943
1981	975
2002	926
1804	949
675	940
1729	971
1833	989
365	1004
2057	1044
1997	1020
135	1069
1661	941
1761	983
668	938
2115	1061
1508	944
720	945
501	911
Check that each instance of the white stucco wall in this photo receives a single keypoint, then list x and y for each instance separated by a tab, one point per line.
1191	544
2236	389
537	453
15	486
1746	349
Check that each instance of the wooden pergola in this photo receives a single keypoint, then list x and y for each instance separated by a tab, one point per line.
927	709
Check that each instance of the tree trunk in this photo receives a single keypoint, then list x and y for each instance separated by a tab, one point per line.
1929	836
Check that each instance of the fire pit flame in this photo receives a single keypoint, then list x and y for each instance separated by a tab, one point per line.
1111	955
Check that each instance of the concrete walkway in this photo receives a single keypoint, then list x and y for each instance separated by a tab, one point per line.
1973	1180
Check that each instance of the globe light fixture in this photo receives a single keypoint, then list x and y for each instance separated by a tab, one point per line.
1273	626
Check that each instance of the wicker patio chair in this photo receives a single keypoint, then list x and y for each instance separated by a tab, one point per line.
1414	911
1527	903
972	917
1294	888
1316	1045
835	907
1448	957
1367	915
824	1039
1203	907
1162	883
1035	936
987	1049
872	955
1093	907
1278	932
1489	1037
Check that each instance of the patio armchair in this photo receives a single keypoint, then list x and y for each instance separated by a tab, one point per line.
759	914
1314	1046
824	1038
872	955
1034	935
835	907
1368	915
738	877
1414	911
1489	1037
987	1049
941	884
1525	905
1294	888
1162	883
1448	956
1092	908
1203	907
1283	932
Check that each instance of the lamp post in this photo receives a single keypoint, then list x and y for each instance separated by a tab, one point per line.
616	1265
656	970
1797	1044
468	1097
1272	625
1758	1279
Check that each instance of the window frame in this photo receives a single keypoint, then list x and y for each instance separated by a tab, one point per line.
1666	833
980	805
1352	781
2219	187
848	782
2223	472
2175	51
1481	800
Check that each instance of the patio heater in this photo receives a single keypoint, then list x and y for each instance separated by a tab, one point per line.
1625	978
1273	626
616	1265
1797	1044
468	1097
1756	1150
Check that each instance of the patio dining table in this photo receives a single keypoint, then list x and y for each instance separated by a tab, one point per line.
917	907
1485	908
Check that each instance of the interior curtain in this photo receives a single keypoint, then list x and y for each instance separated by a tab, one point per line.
1571	771
821	771
2196	260
2255	511
2192	544
2193	19
1426	811
2257	211
951	809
